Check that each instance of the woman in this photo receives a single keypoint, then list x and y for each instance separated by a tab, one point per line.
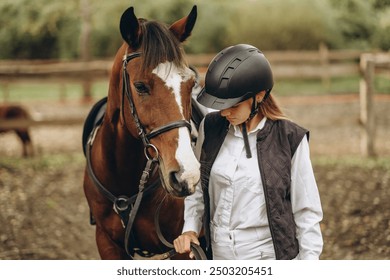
258	197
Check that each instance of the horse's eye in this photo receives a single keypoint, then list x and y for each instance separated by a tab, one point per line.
141	88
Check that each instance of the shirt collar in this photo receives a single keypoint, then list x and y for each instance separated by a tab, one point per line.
237	130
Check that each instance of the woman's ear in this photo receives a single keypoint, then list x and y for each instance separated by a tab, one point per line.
260	96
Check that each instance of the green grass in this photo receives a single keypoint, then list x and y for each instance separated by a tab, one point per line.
50	91
352	161
43	162
336	86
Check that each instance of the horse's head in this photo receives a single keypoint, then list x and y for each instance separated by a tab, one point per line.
159	84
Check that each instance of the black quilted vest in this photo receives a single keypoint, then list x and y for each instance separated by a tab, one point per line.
276	145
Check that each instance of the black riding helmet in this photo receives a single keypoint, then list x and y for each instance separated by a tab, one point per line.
235	74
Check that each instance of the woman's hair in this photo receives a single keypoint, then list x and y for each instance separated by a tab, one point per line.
270	109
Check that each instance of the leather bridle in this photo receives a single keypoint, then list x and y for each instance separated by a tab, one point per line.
127	207
145	137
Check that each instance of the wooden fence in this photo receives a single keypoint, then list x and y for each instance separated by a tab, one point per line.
58	72
22	123
322	64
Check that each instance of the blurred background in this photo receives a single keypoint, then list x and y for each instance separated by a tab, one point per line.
331	64
54	29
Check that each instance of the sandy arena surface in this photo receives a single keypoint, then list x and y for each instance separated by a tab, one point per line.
44	214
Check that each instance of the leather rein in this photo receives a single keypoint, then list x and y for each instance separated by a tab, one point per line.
127	207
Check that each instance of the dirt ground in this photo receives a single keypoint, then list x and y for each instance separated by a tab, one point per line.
44	215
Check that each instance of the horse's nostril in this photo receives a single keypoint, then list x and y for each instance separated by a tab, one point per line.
174	179
176	182
180	186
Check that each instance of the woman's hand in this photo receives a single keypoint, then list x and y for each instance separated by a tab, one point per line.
183	242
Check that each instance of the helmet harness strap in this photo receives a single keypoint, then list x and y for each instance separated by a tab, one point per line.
254	111
246	141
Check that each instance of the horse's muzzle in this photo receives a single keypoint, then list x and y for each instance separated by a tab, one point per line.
180	187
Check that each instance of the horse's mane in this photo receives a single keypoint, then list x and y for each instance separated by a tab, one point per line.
159	45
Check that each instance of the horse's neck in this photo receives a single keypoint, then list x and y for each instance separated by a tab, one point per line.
121	156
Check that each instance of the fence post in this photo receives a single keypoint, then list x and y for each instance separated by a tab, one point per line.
367	113
85	36
324	59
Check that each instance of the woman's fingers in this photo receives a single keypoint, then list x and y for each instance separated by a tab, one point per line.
182	243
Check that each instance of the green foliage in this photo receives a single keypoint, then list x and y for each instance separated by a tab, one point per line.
211	32
283	24
381	38
105	36
352	162
380	4
51	29
357	22
33	29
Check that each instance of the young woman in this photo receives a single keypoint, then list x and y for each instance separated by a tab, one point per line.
258	197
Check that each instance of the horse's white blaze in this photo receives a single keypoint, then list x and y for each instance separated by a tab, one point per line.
173	77
189	165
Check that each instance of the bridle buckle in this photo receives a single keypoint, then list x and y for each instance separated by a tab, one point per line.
121	204
147	153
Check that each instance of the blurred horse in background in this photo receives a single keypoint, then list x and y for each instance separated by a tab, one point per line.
140	162
16	112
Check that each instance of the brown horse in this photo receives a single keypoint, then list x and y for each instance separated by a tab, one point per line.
16	112
145	124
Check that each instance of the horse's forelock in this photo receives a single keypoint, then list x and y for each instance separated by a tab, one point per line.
159	45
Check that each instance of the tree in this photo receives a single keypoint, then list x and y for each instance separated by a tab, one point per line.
357	21
35	29
51	29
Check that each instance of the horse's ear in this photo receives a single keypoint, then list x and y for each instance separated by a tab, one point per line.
183	27
129	28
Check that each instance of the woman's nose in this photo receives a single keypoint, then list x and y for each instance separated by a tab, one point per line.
225	113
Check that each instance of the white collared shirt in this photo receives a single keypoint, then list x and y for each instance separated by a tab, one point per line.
237	201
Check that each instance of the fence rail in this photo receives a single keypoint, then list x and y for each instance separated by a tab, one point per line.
322	64
23	123
15	71
289	64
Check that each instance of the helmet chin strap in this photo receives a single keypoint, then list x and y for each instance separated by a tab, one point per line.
246	140
254	111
